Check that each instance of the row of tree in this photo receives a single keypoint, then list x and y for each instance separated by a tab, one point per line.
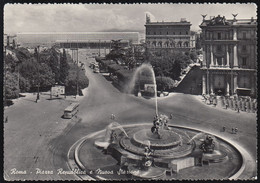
26	71
167	65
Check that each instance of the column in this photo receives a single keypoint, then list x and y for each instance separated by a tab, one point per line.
222	61
235	34
235	56
211	84
207	82
227	89
235	65
215	61
203	84
235	82
211	56
227	56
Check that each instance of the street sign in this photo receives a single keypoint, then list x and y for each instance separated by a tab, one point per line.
57	90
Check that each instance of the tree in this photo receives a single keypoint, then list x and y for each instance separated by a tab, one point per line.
46	76
164	83
71	80
64	67
51	58
117	52
129	59
11	90
14	44
193	56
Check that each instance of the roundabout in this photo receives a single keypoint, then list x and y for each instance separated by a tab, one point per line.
136	153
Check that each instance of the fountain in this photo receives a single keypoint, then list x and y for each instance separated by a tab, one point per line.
156	150
137	73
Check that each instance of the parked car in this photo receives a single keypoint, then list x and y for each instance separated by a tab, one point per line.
91	65
96	70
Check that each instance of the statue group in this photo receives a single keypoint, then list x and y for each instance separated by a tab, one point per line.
208	145
160	122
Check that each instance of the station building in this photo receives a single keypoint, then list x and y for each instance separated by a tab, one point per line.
76	39
168	35
229	56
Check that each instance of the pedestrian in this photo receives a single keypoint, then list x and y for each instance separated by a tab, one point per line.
210	100
224	128
238	105
113	116
232	130
236	130
6	119
171	116
215	101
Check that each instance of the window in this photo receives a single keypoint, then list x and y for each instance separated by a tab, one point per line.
219	35
244	61
219	48
244	48
187	32
173	33
167	33
160	33
180	44
180	33
154	33
244	35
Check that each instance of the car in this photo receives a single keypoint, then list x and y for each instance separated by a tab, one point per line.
96	70
91	65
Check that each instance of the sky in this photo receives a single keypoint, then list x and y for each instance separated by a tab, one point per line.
103	17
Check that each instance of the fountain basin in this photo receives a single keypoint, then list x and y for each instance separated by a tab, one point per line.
172	144
92	158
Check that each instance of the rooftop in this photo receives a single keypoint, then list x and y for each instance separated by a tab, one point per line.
222	21
30	33
168	23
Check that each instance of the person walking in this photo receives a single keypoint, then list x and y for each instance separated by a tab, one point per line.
236	130
224	128
112	116
226	103
238	104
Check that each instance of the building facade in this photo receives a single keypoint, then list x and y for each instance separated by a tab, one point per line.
74	39
168	35
229	56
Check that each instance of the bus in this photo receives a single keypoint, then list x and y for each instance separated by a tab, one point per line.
71	110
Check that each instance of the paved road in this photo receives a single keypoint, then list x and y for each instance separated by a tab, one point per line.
26	138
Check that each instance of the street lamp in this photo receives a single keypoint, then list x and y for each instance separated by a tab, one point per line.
38	75
77	82
4	76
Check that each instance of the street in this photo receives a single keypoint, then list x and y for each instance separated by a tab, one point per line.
36	137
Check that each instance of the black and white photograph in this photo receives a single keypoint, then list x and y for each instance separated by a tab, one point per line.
144	91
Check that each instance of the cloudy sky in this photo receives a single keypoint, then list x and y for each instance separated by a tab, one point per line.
95	17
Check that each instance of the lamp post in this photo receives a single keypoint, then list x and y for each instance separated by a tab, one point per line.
77	71
99	49
38	75
4	76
